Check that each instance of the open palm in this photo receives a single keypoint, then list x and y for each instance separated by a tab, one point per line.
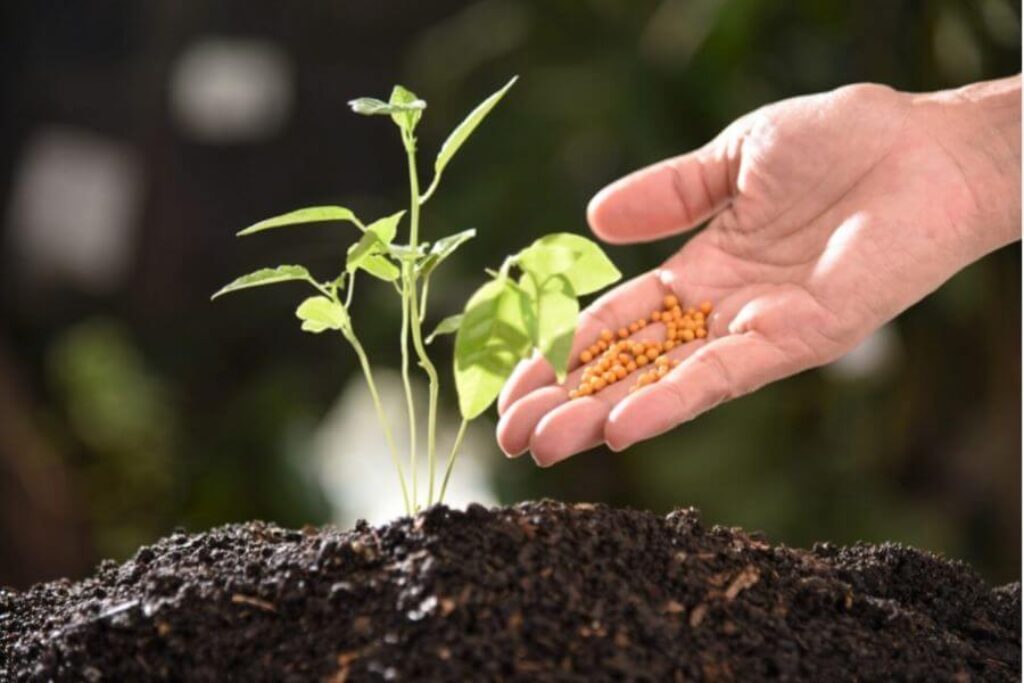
830	215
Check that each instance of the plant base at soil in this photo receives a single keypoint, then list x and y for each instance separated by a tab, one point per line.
537	592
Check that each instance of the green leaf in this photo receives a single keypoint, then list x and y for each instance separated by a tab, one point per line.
406	119
386	228
266	276
493	337
367	246
555	315
313	214
466	128
544	261
442	249
449	325
379	267
366	253
318	313
588	269
371	106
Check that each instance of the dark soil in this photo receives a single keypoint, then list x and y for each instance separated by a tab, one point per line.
537	592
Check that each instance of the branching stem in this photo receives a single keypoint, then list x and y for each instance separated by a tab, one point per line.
430	190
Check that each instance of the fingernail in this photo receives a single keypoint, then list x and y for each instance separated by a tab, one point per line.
618	447
539	462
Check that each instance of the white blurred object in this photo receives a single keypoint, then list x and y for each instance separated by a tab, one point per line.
74	207
231	90
870	358
355	467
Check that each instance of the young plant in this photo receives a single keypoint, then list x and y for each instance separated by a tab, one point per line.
502	323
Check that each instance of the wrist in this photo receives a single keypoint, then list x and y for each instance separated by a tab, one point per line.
979	126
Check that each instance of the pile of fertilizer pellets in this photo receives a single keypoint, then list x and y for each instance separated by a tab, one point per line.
609	360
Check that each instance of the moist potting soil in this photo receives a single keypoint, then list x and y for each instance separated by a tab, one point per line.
537	592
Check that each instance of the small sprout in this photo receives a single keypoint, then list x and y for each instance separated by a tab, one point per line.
503	321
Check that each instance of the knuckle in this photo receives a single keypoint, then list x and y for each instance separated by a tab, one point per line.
724	387
863	92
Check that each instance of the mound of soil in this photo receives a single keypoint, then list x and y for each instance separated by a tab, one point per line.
537	592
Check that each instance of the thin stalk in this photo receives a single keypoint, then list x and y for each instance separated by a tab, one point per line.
451	459
410	404
417	332
430	190
434	386
381	415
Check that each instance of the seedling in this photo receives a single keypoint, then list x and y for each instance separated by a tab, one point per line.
530	303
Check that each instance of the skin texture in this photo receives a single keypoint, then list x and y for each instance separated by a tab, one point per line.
827	216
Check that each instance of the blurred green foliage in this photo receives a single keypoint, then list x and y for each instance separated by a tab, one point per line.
120	412
186	413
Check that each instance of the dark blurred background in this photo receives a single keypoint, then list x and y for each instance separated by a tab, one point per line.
137	137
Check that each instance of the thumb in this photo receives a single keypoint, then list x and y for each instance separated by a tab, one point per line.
668	197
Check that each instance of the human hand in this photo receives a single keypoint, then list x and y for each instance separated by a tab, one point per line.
830	215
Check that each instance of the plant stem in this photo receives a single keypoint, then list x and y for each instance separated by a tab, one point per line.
410	404
451	459
430	190
428	367
414	317
381	415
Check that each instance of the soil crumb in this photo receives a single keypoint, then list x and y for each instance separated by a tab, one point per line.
537	592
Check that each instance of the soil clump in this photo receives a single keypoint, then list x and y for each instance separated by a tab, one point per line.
540	591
